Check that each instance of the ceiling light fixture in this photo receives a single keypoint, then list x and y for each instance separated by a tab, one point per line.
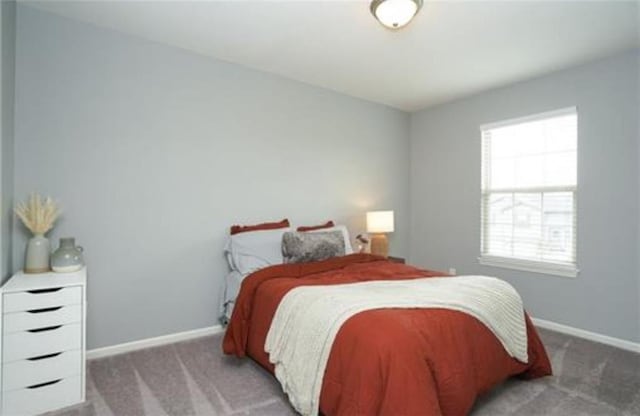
395	14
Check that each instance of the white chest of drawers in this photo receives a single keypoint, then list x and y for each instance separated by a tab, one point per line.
43	342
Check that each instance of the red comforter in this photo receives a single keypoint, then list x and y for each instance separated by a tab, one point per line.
385	361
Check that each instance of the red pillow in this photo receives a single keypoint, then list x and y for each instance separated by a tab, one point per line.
327	224
236	229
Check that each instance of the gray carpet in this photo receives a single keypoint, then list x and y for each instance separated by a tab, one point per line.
195	378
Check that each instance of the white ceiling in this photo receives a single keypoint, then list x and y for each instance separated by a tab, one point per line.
450	50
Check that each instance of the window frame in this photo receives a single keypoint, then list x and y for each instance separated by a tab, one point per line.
563	269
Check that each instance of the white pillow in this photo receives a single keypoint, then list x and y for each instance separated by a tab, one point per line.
253	250
347	241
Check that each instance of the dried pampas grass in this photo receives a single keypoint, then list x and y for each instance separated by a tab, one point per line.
38	214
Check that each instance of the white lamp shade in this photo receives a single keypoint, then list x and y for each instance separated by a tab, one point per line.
380	221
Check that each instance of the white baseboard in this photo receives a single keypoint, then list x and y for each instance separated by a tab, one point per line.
201	332
152	342
591	336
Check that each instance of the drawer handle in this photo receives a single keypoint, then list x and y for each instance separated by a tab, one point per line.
44	357
38	291
47	328
55	308
48	383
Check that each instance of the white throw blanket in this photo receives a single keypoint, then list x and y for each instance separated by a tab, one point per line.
309	317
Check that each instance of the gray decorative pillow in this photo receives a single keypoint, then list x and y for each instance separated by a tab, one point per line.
316	246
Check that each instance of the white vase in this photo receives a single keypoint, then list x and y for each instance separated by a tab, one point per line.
37	255
68	257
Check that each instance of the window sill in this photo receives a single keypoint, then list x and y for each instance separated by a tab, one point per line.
530	266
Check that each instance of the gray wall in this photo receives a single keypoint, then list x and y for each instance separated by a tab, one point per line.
7	89
154	151
445	192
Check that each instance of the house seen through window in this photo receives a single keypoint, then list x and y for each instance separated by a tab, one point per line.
529	185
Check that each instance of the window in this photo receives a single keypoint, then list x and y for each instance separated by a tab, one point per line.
529	184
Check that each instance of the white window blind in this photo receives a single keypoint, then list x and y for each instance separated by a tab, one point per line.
529	184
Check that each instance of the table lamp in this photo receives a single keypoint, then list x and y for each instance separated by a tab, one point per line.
378	224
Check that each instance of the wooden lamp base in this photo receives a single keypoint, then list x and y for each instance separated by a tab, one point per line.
380	245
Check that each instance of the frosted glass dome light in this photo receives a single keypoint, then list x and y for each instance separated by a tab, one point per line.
395	14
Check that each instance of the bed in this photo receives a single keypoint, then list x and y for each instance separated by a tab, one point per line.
399	361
